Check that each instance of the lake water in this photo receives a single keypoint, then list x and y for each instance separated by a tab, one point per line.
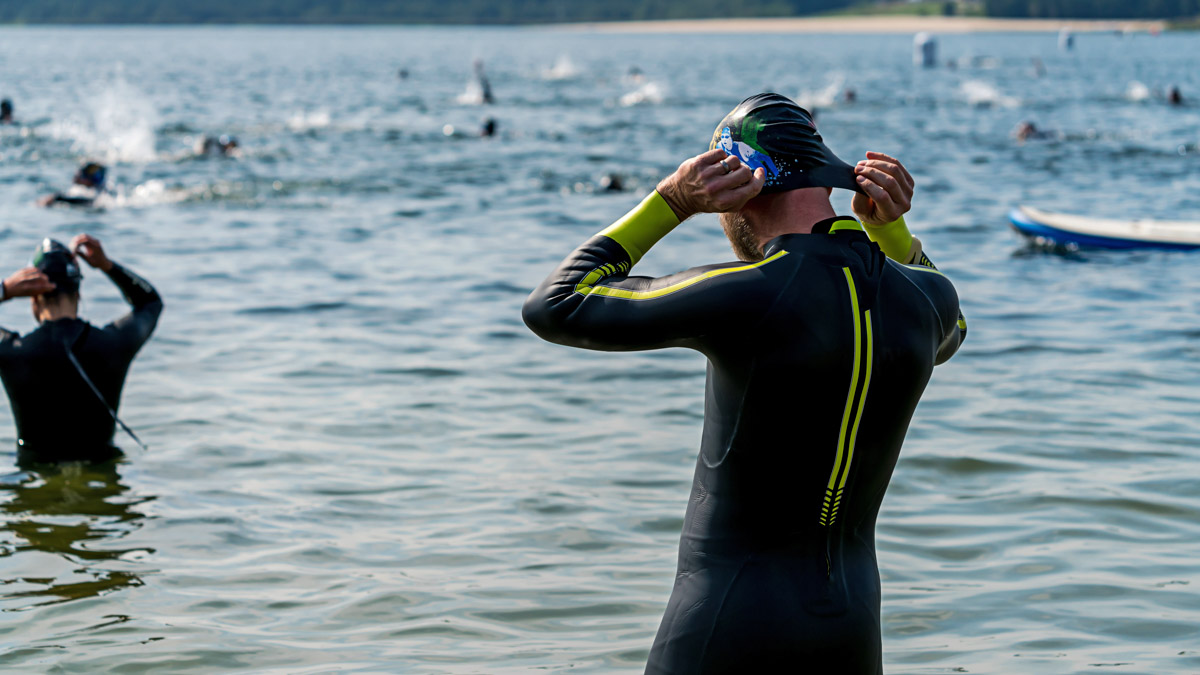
361	461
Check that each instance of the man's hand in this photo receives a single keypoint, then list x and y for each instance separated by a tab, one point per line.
27	282
889	189
711	183
89	248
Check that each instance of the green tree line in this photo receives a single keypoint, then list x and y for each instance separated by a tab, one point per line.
1093	9
519	11
396	11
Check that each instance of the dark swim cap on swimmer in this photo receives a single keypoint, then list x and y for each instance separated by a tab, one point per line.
772	132
92	174
58	264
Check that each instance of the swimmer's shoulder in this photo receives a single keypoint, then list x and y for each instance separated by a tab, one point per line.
935	286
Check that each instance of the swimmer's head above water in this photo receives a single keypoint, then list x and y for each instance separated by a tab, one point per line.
224	145
59	264
91	175
53	277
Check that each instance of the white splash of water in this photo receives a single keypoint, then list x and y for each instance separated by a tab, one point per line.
826	97
118	126
979	93
472	95
1136	91
152	192
563	69
647	94
306	121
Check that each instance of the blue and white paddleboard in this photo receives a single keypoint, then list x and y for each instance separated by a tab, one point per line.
1104	233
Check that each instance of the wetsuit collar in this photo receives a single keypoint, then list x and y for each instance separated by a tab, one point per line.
828	226
835	224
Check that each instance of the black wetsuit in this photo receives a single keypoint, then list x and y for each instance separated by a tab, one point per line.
816	359
58	417
77	200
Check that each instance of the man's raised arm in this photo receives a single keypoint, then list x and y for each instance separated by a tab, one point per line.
888	190
146	302
590	301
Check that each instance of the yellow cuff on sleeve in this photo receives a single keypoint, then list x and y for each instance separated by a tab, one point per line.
894	239
643	226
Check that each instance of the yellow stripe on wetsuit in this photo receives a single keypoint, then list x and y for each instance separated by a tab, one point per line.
845	451
587	285
636	232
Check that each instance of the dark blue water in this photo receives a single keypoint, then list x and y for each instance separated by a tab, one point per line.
363	462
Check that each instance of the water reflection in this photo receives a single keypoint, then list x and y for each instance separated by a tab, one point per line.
60	528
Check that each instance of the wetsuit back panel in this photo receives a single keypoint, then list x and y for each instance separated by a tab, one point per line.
57	415
817	358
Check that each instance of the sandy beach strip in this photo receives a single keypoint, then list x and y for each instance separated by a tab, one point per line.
866	24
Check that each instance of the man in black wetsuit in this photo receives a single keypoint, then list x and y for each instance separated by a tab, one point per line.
88	188
820	342
49	374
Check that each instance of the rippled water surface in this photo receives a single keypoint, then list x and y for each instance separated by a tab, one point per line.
361	460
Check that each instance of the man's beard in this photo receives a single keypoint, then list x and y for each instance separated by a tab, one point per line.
741	237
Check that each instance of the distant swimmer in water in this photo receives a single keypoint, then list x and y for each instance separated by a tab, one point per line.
1175	97
489	128
6	112
218	146
64	379
1028	131
485	88
849	96
611	182
819	340
88	189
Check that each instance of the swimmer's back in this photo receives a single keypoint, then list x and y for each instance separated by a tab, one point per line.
806	408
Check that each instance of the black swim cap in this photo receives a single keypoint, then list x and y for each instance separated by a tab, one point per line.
92	174
58	264
771	131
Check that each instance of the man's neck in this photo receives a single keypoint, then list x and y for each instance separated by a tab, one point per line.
57	312
789	213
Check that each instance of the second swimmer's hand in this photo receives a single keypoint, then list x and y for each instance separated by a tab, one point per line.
89	248
888	187
711	183
27	282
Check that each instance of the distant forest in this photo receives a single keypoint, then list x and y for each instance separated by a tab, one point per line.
520	11
1093	9
397	11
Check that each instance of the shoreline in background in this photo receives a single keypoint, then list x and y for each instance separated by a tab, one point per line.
869	24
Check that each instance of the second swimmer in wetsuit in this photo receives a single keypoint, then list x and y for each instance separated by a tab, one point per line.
50	372
88	187
819	341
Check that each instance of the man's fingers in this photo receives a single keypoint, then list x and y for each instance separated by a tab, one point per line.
883	200
888	183
711	157
893	160
890	168
744	193
726	165
739	176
